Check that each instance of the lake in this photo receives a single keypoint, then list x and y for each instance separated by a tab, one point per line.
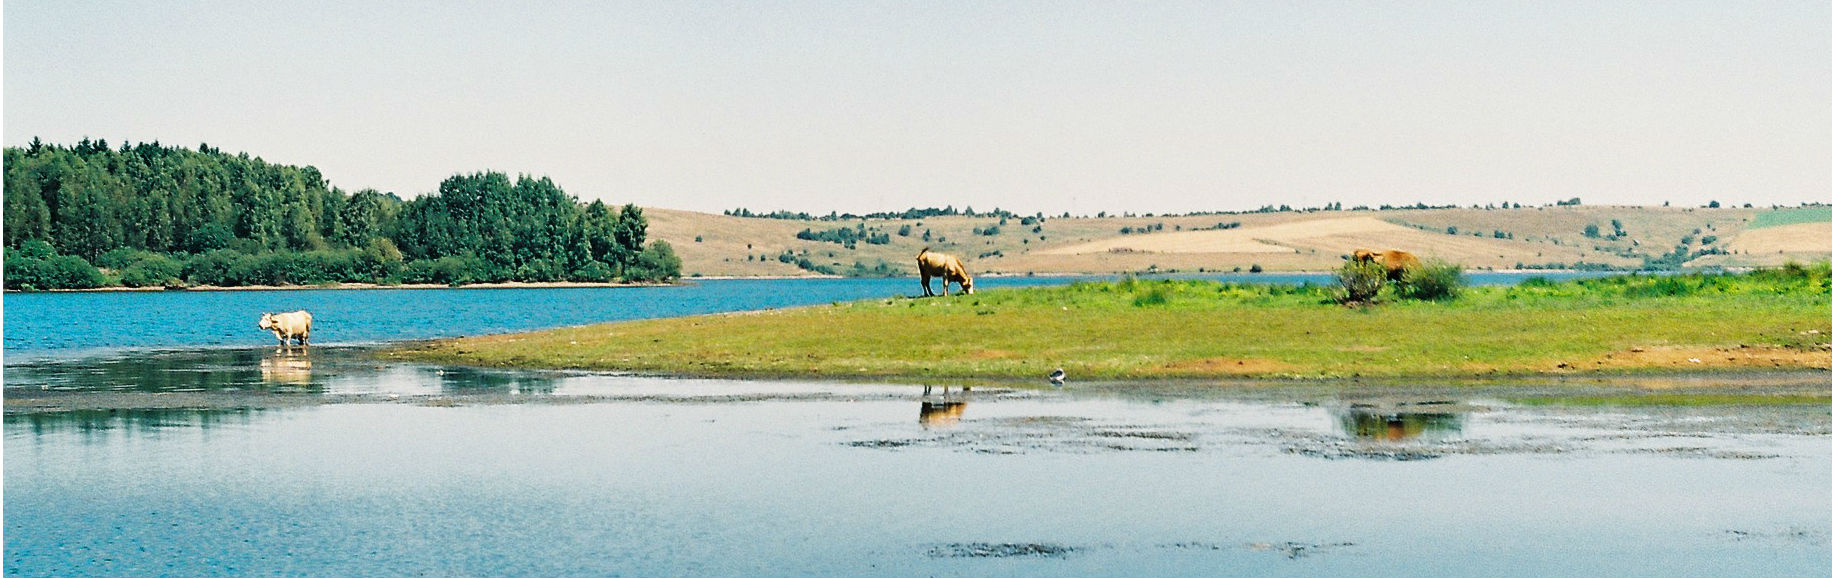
73	323
329	463
160	434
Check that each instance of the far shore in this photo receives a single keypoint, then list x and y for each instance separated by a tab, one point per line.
505	285
683	280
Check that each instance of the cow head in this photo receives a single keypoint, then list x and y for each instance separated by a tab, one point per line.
267	321
967	286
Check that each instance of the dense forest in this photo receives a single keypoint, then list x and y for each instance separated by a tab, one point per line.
150	215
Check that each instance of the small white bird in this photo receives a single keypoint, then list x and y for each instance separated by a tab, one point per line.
1057	376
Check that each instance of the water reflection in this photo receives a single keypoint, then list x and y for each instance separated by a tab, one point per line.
465	380
206	370
288	368
941	413
945	412
1398	424
129	420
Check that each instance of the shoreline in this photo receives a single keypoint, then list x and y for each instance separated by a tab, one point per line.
341	286
689	279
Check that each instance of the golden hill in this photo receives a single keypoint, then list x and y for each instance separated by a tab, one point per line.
720	245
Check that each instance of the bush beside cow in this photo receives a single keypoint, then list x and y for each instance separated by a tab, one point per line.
932	264
293	325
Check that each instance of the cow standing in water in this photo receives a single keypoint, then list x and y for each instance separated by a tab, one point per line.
294	325
931	264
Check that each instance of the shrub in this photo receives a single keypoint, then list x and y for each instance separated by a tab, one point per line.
1157	295
1433	280
447	270
212	268
152	270
658	262
71	272
1361	281
122	258
24	273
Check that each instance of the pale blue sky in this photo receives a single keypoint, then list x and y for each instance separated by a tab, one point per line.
1050	106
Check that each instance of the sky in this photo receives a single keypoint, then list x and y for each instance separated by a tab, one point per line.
1051	107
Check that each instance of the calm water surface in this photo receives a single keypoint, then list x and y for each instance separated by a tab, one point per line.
330	464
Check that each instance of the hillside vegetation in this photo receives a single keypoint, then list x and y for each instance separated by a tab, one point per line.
152	215
1566	236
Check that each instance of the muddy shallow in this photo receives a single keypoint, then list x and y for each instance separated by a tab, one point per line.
245	462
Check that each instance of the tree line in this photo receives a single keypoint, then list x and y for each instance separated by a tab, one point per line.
144	214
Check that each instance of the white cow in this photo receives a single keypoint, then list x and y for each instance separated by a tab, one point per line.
294	325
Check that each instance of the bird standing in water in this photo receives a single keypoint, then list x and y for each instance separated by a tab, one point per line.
1057	376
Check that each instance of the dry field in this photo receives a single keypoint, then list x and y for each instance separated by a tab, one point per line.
719	245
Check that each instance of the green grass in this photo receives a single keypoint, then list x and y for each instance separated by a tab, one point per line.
1781	217
1136	329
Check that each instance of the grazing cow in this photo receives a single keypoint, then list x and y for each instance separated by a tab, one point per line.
1396	261
948	267
294	325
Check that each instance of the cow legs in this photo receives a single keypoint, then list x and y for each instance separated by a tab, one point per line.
926	291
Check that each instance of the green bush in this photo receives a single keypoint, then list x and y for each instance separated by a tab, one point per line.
658	262
36	266
449	270
153	270
25	273
1360	281
71	272
1158	295
122	258
212	268
1433	280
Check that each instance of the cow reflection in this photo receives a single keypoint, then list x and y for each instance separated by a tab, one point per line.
943	413
1380	424
287	369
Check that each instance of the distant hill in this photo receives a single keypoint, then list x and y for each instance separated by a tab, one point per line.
1555	237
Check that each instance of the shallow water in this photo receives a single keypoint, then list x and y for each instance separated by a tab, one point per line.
349	467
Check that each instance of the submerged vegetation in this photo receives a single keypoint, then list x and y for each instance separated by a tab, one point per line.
1130	329
152	215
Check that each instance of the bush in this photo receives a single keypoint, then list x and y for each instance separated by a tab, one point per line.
448	270
594	271
1158	295
658	262
35	266
122	258
24	273
71	272
1361	281
1434	280
153	270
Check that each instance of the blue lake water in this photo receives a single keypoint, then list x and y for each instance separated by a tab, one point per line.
330	464
160	434
41	323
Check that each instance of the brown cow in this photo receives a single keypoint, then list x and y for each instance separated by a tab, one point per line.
1396	261
931	264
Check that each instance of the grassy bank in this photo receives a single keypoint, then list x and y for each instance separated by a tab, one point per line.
1779	319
